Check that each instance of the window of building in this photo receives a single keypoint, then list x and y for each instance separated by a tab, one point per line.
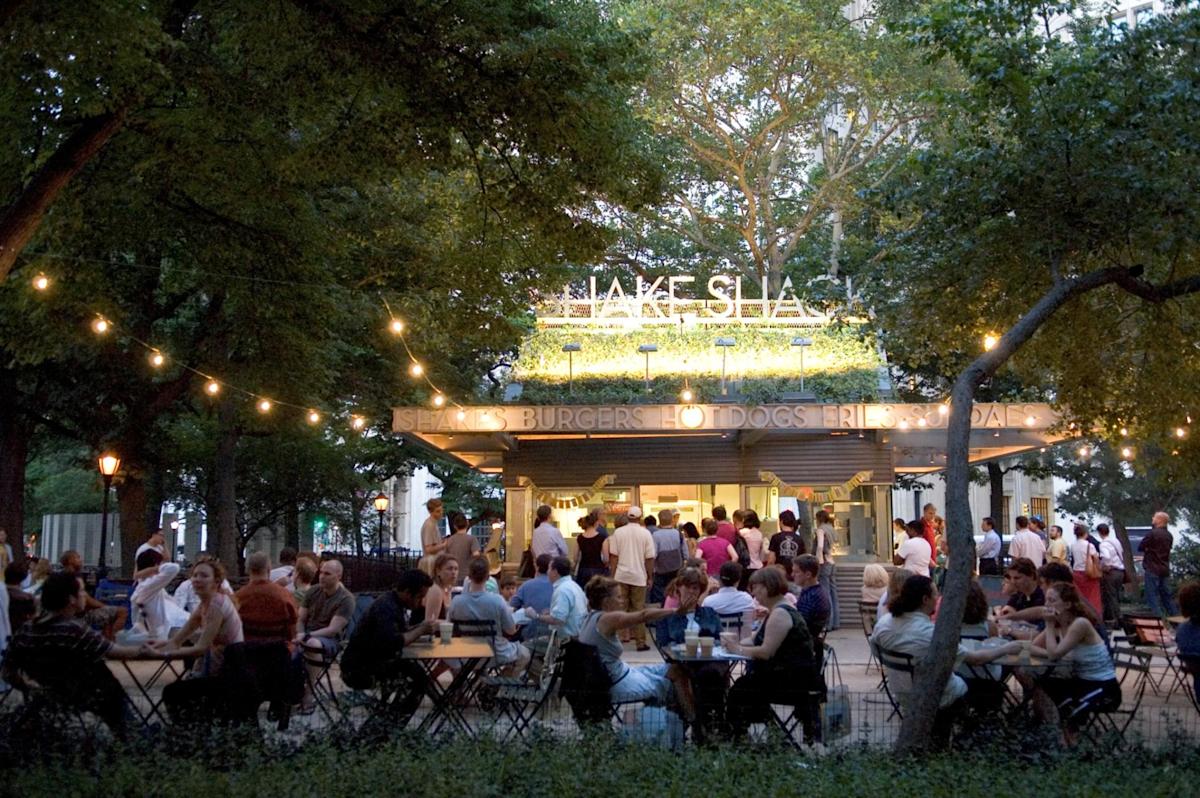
1040	506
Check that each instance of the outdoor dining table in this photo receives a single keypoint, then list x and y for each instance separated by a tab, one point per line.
166	667
677	652
471	653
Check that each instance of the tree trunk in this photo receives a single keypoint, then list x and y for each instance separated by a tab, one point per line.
223	539
291	527
131	500
152	478
15	434
20	220
996	498
357	527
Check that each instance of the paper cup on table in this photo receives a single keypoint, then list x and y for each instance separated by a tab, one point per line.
690	645
706	646
446	629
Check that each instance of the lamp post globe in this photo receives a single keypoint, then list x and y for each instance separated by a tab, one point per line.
108	464
381	504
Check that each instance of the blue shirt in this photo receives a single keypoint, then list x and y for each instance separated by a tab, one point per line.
569	605
813	603
534	593
1187	638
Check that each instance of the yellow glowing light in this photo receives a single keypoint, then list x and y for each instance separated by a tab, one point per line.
943	410
358	422
108	464
157	359
461	415
686	395
922	422
1127	453
416	369
212	388
100	325
314	417
438	400
264	405
41	282
1124	431
396	326
1030	421
1180	432
1084	451
691	417
989	342
903	423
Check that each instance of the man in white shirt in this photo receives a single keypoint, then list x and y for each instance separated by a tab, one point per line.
568	603
1026	543
1112	575
287	567
631	559
547	538
914	553
988	549
154	612
156	542
728	600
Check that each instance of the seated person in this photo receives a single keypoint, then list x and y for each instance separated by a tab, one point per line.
215	619
266	607
568	603
895	583
784	668
1071	629
22	606
477	604
1025	596
647	683
533	597
813	602
445	578
186	597
875	582
106	619
372	654
63	655
908	629
327	610
728	600
507	587
287	567
154	612
708	680
983	681
303	578
1187	634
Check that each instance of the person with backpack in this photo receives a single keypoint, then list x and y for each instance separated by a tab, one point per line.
670	551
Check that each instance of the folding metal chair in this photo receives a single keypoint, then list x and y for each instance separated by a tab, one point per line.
1155	638
812	701
867	612
1098	719
321	685
521	698
901	663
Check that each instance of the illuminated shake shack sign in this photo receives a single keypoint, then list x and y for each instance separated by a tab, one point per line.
672	299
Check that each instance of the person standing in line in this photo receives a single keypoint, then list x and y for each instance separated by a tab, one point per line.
988	550
1156	562
631	560
461	545
589	557
546	538
823	550
913	554
725	528
714	549
786	542
431	535
1026	544
929	531
669	554
1112	576
752	535
1057	549
1085	563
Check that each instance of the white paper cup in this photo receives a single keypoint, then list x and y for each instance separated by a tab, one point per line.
706	646
690	645
446	629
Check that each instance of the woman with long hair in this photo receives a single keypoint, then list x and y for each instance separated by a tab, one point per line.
751	534
445	577
589	544
691	536
1085	568
1071	629
216	618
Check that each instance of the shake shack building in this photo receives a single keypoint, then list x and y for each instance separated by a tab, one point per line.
663	402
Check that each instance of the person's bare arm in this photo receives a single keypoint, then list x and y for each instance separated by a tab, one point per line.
615	621
778	626
335	627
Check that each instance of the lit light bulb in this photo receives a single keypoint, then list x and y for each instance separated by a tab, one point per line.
1180	432
314	417
416	369
903	423
358	422
397	326
1030	421
1084	451
157	359
461	415
691	417
212	388
686	395
1127	453
943	409
922	422
100	325
264	405
438	400
1124	431
990	341
41	282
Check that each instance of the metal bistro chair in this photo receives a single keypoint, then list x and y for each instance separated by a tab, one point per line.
521	698
894	661
867	612
1154	638
1191	670
1099	720
812	700
323	691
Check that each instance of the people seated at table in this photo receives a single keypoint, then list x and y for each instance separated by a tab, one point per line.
813	601
1071	629
875	582
303	578
155	613
22	607
266	607
477	604
975	623
535	593
445	579
37	576
185	595
568	602
327	610
605	619
282	575
373	653
105	619
896	580
728	600
1022	588
211	626
707	679
784	668
907	629
507	586
60	654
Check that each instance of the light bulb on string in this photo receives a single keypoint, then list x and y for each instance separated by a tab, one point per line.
314	417
438	400
416	369
357	422
264	405
157	358
1126	453
903	423
921	422
396	326
1180	432
41	282
989	342
1084	451
1030	421
686	395
100	326
1124	432
212	387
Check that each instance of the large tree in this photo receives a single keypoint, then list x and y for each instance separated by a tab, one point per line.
1056	203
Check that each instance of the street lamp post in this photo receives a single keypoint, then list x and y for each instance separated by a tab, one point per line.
108	463
724	343
381	505
571	349
803	343
646	349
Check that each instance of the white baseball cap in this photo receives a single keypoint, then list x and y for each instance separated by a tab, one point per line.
634	512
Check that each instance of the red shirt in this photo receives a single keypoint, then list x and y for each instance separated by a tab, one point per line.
931	539
726	532
715	551
268	611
